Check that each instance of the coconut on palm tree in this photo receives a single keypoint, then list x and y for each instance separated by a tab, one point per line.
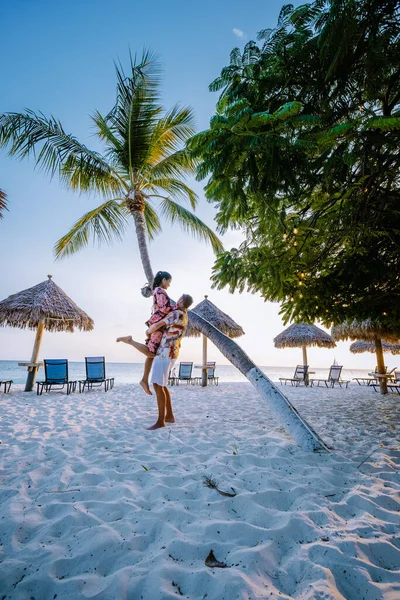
144	163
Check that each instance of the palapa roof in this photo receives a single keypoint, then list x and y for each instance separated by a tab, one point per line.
43	302
216	317
303	334
361	346
364	330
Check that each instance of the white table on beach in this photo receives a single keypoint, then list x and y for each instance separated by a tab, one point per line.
31	365
382	375
204	368
33	368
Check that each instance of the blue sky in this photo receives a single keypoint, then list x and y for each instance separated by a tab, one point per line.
58	57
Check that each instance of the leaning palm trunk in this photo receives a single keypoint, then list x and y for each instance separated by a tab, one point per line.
283	410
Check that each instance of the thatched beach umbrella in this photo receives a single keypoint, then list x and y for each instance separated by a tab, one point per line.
302	335
211	313
44	306
359	347
368	331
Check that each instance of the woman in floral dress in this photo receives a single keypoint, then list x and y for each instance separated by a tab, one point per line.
162	305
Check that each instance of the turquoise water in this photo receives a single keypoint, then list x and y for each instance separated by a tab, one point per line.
131	372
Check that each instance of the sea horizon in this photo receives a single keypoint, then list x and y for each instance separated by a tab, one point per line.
130	372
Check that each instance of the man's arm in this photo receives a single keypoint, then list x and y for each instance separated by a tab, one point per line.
156	327
169	320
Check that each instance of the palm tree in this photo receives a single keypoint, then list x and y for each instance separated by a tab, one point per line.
143	163
3	203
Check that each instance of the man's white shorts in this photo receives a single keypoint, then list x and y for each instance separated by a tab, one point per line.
161	368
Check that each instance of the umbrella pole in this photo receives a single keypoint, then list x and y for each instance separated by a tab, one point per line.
304	348
381	365
204	372
32	371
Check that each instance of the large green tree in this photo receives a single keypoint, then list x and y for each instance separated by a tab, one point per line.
303	156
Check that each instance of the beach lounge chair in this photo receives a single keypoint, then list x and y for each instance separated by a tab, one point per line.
211	373
185	373
300	376
368	380
392	387
7	385
96	374
56	374
393	381
172	377
394	384
333	377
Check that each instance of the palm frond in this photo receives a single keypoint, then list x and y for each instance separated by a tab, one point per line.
106	132
136	111
104	224
189	222
3	203
153	225
171	133
175	165
175	187
30	134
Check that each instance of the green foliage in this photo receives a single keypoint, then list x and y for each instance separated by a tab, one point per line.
303	157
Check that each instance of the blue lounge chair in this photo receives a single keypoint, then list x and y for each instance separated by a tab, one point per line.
7	385
96	374
211	373
334	377
56	374
185	372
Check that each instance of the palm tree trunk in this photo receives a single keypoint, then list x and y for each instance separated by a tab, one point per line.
135	204
381	365
283	410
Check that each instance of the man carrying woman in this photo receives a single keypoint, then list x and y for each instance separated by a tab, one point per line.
166	327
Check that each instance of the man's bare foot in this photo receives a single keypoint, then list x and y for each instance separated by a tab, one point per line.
127	339
156	426
146	387
170	419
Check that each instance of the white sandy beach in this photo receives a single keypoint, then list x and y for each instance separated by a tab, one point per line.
95	506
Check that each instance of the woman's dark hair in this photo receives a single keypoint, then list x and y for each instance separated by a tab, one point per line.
159	277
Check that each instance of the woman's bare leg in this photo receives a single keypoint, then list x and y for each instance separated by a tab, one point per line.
147	363
141	347
146	372
161	401
169	415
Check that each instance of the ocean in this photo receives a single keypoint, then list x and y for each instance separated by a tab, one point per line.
132	372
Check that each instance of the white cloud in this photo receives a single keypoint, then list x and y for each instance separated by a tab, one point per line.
238	32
